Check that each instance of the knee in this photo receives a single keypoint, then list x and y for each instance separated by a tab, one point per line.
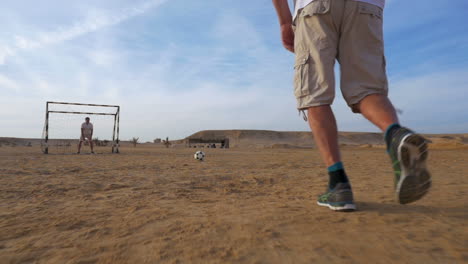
370	98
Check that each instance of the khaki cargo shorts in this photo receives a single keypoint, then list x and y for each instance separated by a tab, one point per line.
347	31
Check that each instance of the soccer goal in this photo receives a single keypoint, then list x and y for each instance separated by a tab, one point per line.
63	123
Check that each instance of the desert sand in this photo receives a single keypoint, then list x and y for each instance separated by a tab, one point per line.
152	204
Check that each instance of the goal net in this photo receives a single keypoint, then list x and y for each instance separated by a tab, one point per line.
62	128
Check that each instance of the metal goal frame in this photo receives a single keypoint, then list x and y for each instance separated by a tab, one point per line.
115	132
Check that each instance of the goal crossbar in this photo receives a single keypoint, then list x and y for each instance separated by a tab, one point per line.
81	113
65	103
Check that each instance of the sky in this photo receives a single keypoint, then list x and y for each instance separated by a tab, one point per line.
176	67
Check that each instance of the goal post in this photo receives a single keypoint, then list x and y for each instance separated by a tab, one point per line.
63	124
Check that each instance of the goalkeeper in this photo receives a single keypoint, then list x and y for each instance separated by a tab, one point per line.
86	134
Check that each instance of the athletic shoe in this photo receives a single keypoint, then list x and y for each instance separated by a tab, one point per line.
338	199
408	152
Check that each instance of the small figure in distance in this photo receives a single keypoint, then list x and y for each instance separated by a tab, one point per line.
167	143
86	135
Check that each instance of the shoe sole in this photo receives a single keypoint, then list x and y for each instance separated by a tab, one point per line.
415	179
344	208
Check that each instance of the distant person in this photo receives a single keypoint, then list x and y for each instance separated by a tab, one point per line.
320	32
167	143
86	134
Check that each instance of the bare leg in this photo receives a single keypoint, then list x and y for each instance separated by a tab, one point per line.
379	110
79	146
323	125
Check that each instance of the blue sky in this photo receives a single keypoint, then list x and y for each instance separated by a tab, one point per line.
177	67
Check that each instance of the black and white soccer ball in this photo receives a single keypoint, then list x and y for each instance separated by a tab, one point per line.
199	155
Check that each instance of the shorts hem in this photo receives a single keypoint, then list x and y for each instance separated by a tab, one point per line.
313	105
354	103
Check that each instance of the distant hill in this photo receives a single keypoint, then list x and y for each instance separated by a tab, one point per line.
304	139
7	141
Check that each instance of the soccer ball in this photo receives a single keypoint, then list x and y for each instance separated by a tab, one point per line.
199	155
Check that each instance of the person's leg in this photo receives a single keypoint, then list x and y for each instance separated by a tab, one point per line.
323	125
378	109
92	145
79	146
407	150
316	40
364	86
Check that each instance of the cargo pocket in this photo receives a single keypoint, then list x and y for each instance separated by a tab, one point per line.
301	75
314	19
370	10
317	7
372	17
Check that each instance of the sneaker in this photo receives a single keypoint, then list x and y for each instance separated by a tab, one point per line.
408	152
338	199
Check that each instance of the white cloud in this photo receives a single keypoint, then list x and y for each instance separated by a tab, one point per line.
8	83
5	52
103	57
96	20
432	89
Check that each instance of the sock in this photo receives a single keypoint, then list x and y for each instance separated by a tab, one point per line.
389	133
337	174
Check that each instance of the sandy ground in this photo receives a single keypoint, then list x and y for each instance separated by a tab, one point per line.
157	205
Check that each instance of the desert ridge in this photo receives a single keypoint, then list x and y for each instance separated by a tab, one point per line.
304	139
277	139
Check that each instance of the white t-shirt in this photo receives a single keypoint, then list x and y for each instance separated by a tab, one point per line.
87	128
298	4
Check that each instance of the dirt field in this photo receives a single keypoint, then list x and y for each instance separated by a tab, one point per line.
157	205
